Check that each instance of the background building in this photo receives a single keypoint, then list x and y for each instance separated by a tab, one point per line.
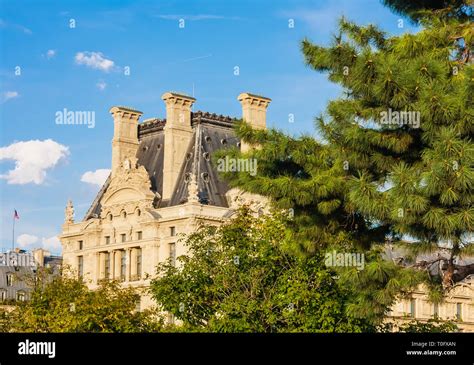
162	185
17	272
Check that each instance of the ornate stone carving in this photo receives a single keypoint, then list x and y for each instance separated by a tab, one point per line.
193	190
69	213
237	198
129	188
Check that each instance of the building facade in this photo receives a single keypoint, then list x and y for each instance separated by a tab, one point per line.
17	272
457	306
161	186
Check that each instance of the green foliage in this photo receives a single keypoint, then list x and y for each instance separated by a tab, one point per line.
240	278
366	181
433	325
418	9
65	304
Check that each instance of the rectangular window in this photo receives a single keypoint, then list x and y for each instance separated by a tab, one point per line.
20	296
9	279
123	265
139	262
3	295
123	237
413	308
172	231
139	235
107	240
107	265
80	266
459	311
436	310
173	254
80	244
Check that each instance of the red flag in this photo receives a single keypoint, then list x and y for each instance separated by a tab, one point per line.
15	215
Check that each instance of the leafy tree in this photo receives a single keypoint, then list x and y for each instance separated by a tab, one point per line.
239	278
430	326
65	304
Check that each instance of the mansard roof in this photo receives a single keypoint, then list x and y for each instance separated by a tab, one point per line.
211	132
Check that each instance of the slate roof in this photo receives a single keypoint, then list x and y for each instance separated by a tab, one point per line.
210	133
22	277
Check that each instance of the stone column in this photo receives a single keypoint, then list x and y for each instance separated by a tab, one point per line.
97	267
133	264
101	265
118	264
127	264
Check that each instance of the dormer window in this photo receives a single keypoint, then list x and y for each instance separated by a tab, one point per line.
10	279
21	296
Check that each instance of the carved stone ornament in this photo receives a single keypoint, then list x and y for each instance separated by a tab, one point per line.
69	212
129	188
193	189
237	198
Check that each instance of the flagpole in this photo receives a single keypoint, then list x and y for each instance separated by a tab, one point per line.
13	233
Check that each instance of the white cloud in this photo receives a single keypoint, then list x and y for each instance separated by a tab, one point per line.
50	54
26	240
32	160
19	27
30	242
52	244
101	85
94	60
96	177
7	95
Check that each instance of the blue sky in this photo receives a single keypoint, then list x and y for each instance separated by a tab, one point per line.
46	65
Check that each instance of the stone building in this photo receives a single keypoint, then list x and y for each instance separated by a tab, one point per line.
458	306
161	185
17	272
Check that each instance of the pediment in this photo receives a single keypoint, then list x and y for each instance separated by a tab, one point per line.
129	185
122	196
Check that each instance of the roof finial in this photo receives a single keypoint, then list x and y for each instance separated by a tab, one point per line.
193	189
69	212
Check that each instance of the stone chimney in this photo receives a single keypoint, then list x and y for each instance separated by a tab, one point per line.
254	112
38	255
178	134
125	141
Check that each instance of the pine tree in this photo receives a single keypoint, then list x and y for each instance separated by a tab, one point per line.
418	9
396	162
415	174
